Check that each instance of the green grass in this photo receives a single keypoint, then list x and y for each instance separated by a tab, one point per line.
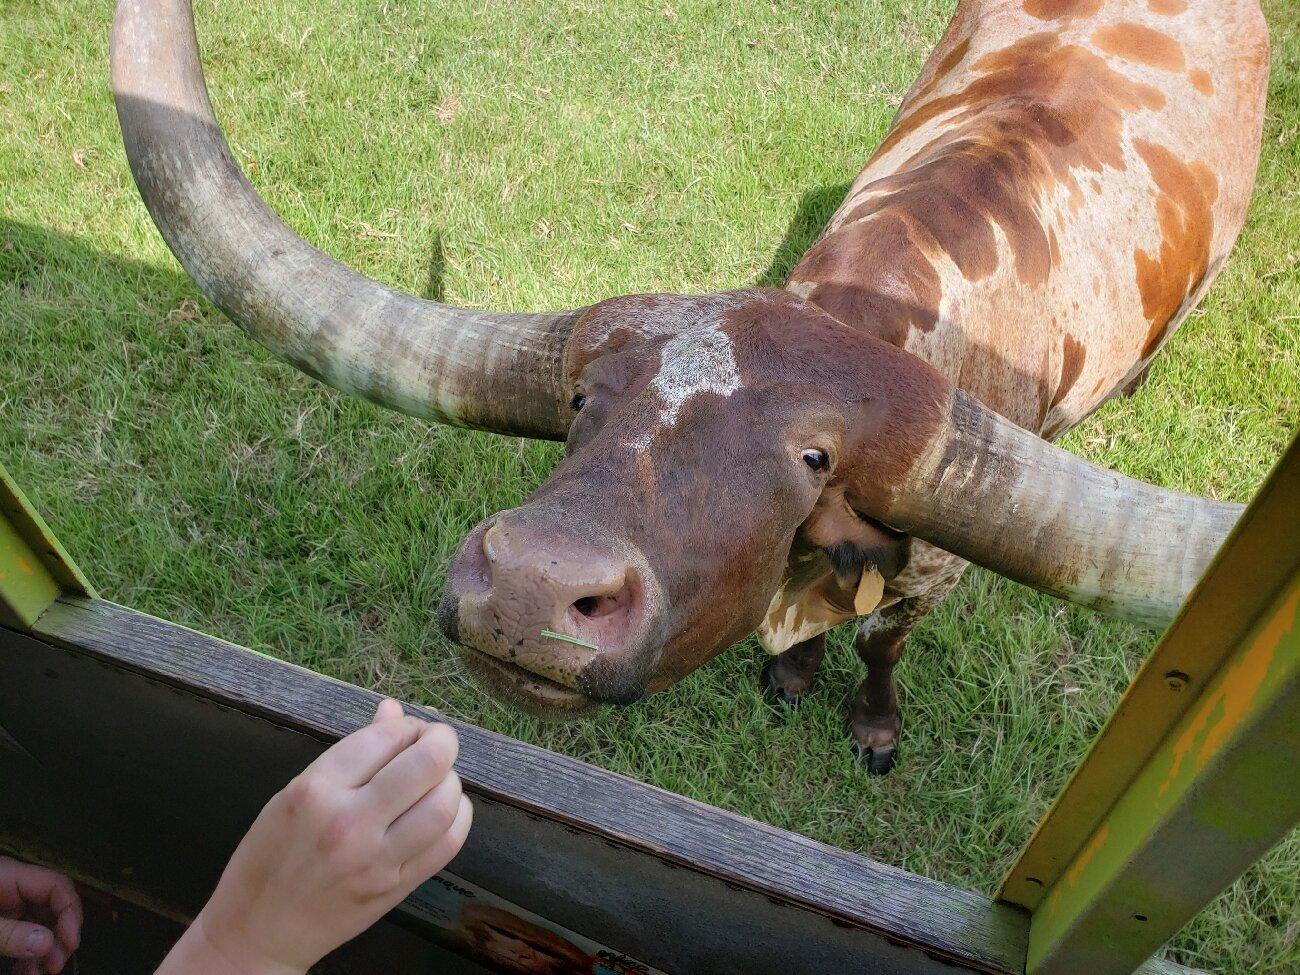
545	155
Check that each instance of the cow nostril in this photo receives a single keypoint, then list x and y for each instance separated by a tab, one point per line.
594	607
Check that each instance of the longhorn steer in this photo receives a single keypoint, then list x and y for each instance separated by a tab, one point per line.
1061	185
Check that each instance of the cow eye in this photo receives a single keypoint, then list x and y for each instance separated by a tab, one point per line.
578	402
817	460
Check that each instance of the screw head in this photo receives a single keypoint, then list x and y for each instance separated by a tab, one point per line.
1176	680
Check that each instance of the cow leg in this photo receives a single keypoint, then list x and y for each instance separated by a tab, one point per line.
788	676
873	715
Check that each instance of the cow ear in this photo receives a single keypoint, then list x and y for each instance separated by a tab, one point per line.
853	542
836	571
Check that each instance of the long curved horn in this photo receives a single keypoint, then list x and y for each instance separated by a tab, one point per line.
488	370
995	494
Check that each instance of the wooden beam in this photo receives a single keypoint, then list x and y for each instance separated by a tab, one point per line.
167	742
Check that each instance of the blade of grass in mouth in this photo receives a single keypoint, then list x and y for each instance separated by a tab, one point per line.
570	639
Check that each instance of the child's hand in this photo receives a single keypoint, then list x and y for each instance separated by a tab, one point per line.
365	824
40	918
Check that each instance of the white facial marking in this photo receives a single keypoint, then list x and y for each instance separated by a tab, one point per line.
700	359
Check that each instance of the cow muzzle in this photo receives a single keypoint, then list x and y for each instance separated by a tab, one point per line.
554	624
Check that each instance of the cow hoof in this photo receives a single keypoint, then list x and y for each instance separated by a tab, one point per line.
773	692
877	761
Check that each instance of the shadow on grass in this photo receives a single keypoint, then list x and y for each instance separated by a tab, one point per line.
436	270
69	267
815	208
52	270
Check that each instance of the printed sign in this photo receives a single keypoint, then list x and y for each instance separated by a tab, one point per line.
505	938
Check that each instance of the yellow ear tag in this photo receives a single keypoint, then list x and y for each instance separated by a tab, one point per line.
871	589
801	615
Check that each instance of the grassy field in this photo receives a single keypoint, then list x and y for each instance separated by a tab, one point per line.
544	155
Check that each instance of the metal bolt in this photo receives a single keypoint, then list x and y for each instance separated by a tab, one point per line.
1176	680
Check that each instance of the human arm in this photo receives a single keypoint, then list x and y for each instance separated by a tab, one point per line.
341	845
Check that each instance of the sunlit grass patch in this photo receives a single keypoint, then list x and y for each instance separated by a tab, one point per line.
541	156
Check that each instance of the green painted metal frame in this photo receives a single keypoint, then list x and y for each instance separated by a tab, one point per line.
34	568
1194	777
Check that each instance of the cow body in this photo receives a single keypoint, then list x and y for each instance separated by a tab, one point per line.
1060	186
1062	183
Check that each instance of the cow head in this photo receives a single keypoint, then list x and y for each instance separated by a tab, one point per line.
728	455
711	443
